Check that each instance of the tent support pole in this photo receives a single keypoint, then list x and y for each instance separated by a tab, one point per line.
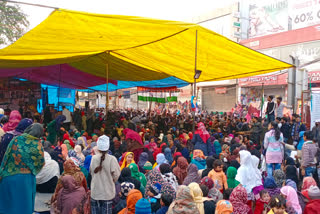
195	80
59	86
262	99
137	100
107	78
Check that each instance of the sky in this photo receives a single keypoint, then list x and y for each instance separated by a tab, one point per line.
178	10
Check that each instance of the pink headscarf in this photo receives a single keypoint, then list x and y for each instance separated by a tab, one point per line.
292	198
130	134
14	120
204	134
64	151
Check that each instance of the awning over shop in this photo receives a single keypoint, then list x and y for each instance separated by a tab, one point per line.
130	48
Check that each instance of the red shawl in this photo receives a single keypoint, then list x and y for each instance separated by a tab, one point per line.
202	132
130	134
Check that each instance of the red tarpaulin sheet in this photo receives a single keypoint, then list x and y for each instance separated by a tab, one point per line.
64	75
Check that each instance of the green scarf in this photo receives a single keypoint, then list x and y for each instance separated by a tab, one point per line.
137	175
67	142
231	175
24	155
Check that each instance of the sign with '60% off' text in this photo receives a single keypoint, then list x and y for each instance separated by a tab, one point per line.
304	13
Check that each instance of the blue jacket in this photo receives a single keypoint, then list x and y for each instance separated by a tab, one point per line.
199	144
162	210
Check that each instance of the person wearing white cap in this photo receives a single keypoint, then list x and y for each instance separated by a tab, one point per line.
316	131
105	172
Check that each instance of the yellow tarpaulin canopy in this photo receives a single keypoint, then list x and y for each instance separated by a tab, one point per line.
135	49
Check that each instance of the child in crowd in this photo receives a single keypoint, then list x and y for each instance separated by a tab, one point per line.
218	176
262	203
143	207
278	205
154	196
165	202
125	189
147	168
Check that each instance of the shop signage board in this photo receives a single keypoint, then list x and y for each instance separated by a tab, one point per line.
276	79
304	13
268	17
221	90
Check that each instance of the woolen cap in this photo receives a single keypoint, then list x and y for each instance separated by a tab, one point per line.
143	206
103	143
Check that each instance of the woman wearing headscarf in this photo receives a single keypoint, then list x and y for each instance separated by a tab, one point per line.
14	120
247	175
78	150
271	186
238	199
224	207
151	146
167	188
155	177
133	197
200	139
23	160
168	155
7	137
64	151
192	175
234	155
197	196
65	138
292	177
306	184
231	175
72	198
209	163
214	194
160	160
208	182
53	129
279	178
217	147
184	202
159	150
125	176
126	160
105	172
137	175
70	168
292	198
134	143
181	170
47	178
199	159
73	155
273	145
225	152
168	176
144	157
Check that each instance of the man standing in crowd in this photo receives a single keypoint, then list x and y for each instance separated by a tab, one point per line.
296	128
279	107
316	131
270	109
67	114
